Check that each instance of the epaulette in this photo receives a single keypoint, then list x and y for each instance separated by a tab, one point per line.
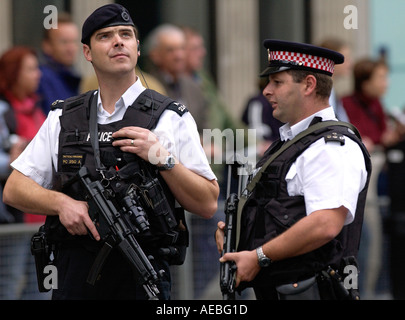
335	137
78	100
73	102
57	104
178	108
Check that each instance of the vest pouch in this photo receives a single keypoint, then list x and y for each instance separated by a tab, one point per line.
300	290
157	206
176	254
271	219
286	214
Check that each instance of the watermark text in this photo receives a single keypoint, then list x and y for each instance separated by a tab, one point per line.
351	21
51	20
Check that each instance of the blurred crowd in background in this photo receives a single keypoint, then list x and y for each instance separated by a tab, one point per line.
174	63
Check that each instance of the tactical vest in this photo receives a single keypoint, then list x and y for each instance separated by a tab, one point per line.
269	211
76	150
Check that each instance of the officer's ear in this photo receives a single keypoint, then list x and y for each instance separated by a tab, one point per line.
310	84
87	53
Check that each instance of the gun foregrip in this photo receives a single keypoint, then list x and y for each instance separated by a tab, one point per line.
228	269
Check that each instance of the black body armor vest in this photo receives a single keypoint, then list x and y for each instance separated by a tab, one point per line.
269	211
124	170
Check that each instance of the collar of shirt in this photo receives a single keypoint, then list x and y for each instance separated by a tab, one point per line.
288	133
121	105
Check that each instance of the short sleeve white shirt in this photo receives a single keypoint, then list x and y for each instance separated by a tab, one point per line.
178	134
328	175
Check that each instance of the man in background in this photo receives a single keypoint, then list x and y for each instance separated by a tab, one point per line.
59	52
167	56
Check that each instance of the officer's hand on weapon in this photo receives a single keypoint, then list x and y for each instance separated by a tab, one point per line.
74	215
219	236
142	142
246	262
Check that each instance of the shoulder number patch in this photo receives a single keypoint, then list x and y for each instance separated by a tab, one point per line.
178	108
335	137
57	104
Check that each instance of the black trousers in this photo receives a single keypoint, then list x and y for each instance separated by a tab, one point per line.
116	280
265	293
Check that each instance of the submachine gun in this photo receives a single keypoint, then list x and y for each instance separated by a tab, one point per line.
228	268
117	228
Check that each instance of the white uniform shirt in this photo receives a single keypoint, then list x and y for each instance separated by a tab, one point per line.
177	134
328	175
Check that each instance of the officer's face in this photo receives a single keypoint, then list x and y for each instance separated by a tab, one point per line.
285	96
113	50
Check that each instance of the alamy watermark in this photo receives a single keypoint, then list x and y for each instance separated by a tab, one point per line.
51	20
221	147
351	21
351	277
51	280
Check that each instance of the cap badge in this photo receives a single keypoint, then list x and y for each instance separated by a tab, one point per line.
125	15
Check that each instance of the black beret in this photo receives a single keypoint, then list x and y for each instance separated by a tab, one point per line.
106	16
286	55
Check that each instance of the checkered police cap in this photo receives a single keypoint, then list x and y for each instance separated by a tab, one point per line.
284	55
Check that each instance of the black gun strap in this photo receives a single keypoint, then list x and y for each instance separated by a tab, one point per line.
286	145
93	127
256	178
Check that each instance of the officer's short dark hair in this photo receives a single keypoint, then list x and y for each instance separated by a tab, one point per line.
324	82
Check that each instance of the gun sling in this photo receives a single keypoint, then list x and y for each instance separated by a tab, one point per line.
251	185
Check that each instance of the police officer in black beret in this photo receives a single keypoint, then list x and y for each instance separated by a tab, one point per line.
300	216
145	140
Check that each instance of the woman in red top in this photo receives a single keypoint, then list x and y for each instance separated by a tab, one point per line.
19	81
364	107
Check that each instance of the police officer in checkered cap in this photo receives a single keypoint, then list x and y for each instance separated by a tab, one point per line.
300	217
